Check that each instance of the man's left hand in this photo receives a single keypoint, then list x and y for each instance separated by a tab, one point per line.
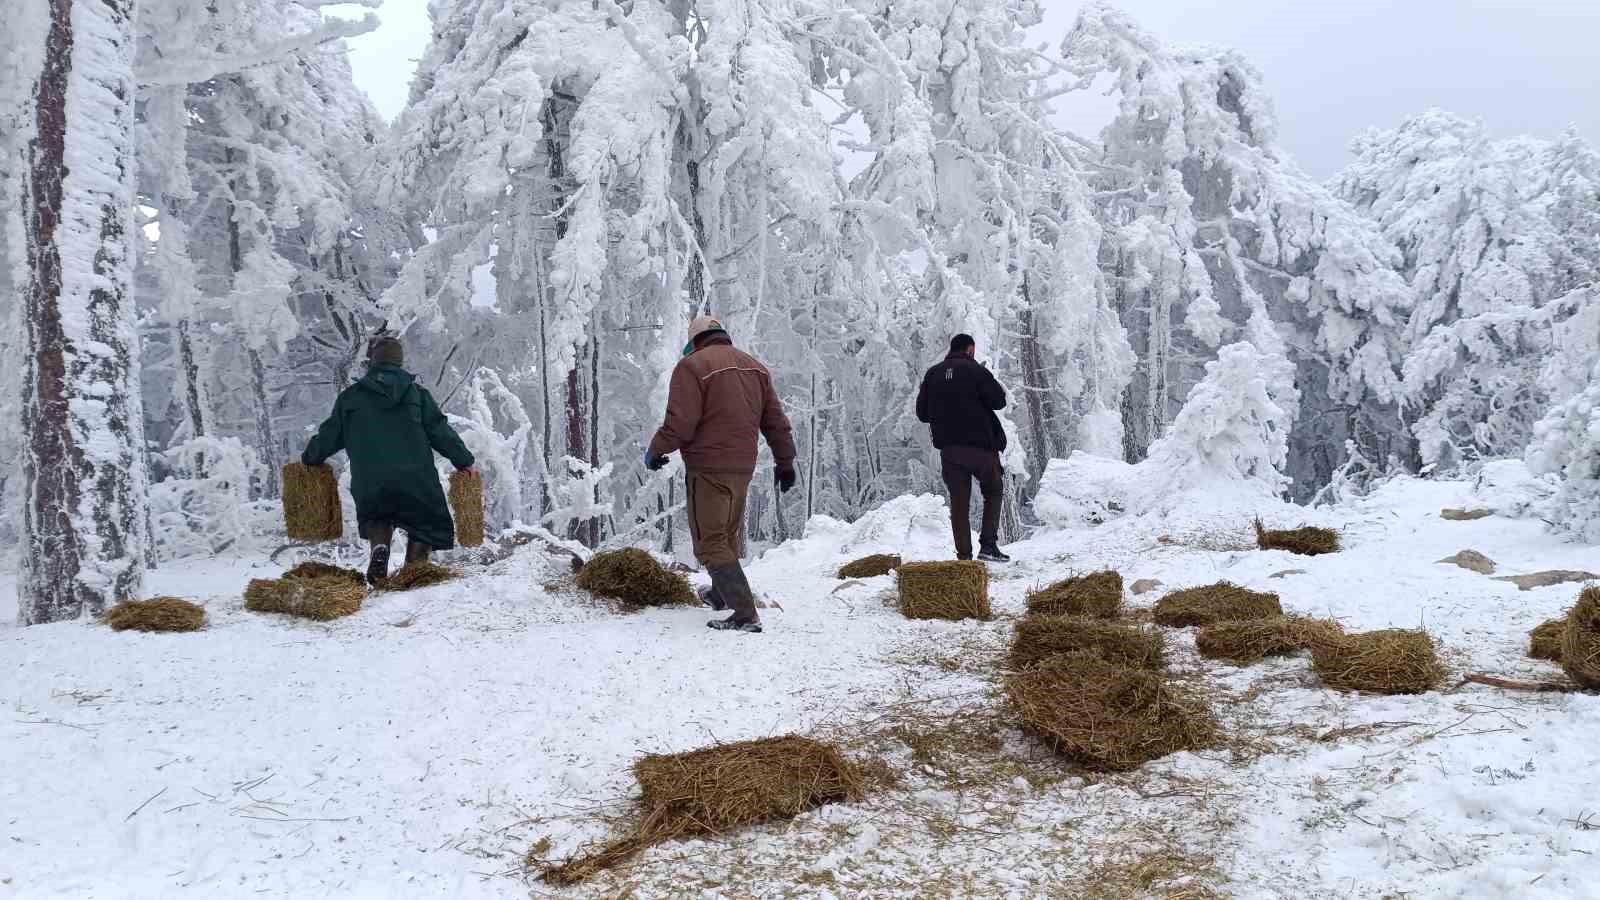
785	476
653	462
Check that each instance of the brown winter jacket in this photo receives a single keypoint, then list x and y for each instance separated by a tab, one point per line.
719	399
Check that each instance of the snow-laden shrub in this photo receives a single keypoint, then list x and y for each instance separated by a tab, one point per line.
1510	488
1566	442
1084	490
496	429
204	506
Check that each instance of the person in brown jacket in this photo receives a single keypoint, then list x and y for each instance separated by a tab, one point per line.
720	398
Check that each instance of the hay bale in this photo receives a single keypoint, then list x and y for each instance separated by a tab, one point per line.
322	599
414	575
1544	641
635	578
1098	594
466	504
1580	646
718	789
1307	540
158	614
313	569
870	566
311	510
1213	603
1107	716
1243	643
1040	637
950	590
1394	661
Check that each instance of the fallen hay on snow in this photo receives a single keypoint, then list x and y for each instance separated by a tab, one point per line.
1580	647
322	599
1394	661
1213	603
466	504
718	789
158	614
633	577
944	590
1107	716
311	509
1098	594
1243	643
1307	540
313	569
1040	637
1545	640
420	574
870	566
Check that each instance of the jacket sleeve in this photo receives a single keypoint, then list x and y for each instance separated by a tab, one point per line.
441	437
328	440
775	427
685	404
922	400
994	396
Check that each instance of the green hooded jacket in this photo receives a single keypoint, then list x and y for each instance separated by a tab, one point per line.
391	426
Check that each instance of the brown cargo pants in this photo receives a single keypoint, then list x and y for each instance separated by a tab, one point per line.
716	524
959	466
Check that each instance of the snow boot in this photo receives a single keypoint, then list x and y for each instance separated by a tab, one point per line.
729	624
378	565
991	553
709	596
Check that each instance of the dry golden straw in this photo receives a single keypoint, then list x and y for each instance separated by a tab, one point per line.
633	577
314	569
1213	603
1041	637
1098	594
719	789
1306	540
1580	648
311	510
1107	716
1544	641
870	566
158	614
950	590
1394	661
416	575
322	599
466	503
1243	643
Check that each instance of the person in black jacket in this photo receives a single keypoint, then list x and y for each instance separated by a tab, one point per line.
958	399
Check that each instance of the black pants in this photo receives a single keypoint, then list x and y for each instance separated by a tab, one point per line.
960	465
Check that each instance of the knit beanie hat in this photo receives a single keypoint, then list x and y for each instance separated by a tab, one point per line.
386	349
701	327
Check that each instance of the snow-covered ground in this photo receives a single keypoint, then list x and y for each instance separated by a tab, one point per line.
421	747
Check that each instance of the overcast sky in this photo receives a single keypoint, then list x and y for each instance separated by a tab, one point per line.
1333	67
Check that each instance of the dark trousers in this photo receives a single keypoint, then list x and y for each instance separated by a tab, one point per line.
716	524
960	465
383	536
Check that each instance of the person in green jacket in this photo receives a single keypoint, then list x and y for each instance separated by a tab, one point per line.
390	426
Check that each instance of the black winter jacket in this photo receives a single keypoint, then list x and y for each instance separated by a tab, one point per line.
958	398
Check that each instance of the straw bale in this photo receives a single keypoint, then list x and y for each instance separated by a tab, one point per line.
420	574
1394	661
870	566
718	789
1107	716
1098	594
635	578
1580	648
1040	637
314	569
158	614
1243	643
1544	641
950	590
466	504
1213	603
1307	540
322	599
311	509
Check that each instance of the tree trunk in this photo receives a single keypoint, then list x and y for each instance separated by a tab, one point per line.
266	442
84	467
1036	392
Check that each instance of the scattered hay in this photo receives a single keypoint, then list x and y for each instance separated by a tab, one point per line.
1580	647
415	575
311	509
466	504
1098	594
1041	637
1544	641
1394	661
313	569
1464	515
1307	540
1547	578
1107	716
870	566
322	599
159	614
1213	603
1243	643
717	789
635	578
944	590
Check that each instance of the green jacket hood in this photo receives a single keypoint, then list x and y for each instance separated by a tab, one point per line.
389	382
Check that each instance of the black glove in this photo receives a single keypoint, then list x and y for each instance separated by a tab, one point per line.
785	476
654	463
